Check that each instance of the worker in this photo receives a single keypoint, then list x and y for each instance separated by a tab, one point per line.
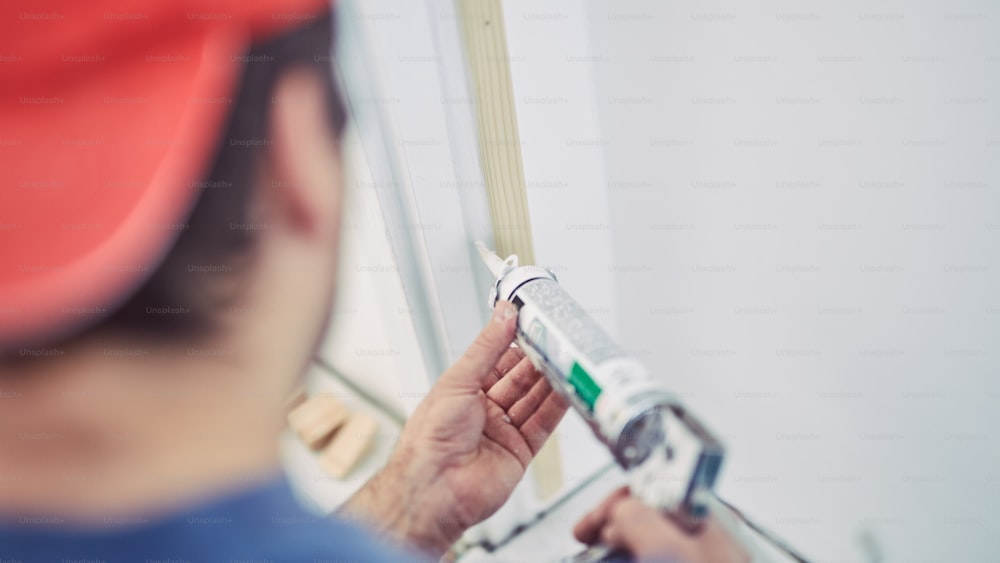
170	199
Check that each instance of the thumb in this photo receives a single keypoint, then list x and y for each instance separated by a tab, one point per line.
470	371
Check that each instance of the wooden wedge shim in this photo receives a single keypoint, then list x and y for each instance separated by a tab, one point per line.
316	418
349	445
296	398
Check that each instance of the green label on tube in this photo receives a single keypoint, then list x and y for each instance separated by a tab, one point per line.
584	385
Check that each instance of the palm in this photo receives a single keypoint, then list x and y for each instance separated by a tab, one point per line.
484	440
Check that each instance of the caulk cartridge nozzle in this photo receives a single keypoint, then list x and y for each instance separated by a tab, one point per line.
496	264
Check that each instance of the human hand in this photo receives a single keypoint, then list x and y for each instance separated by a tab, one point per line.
623	522
467	444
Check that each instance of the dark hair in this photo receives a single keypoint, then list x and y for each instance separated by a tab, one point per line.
200	275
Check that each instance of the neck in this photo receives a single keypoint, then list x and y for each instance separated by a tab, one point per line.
105	432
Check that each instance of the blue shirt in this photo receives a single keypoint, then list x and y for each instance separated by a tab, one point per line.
260	525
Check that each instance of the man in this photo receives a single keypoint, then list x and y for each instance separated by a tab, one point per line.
169	216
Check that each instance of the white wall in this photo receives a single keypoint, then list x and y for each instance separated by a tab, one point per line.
790	210
804	207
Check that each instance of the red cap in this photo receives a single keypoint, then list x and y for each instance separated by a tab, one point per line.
110	113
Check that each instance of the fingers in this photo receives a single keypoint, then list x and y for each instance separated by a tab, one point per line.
623	522
471	370
644	532
544	420
520	392
588	529
510	379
